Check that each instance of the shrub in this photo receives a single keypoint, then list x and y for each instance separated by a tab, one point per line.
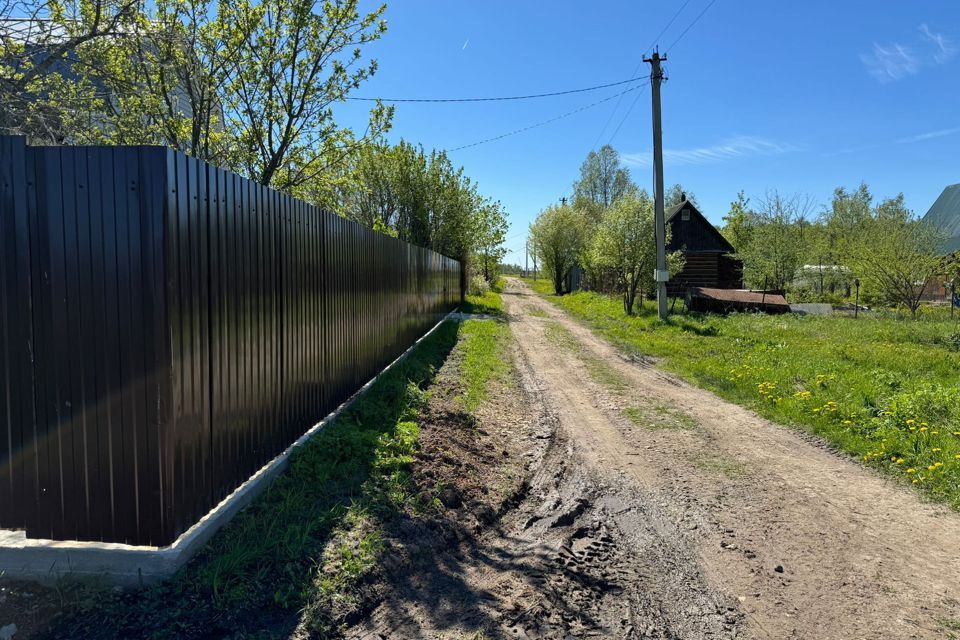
479	286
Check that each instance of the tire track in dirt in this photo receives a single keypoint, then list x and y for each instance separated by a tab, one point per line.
803	541
567	555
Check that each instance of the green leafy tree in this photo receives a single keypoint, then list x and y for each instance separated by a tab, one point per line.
559	236
246	84
738	222
896	254
422	198
774	246
603	180
491	233
39	96
842	222
625	242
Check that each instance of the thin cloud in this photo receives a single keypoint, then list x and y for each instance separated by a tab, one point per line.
466	42
920	137
890	62
732	149
929	135
945	49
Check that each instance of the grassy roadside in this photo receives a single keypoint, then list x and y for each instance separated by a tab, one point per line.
883	390
489	303
304	557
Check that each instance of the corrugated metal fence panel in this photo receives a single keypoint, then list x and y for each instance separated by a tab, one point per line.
18	451
167	327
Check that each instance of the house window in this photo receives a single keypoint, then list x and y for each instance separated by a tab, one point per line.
685	214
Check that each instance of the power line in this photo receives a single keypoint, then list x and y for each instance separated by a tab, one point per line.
502	98
682	33
616	107
545	122
689	26
625	116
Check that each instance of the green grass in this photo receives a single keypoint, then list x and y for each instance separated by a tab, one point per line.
484	348
882	389
490	304
298	552
484	359
659	417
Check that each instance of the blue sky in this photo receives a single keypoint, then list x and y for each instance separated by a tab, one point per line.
795	96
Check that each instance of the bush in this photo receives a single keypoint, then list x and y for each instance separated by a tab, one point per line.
479	286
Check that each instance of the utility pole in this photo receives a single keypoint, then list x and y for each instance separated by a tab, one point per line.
563	201
661	275
526	258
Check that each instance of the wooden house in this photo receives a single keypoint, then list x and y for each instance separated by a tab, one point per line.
708	255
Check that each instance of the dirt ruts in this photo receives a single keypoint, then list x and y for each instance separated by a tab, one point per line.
649	508
804	541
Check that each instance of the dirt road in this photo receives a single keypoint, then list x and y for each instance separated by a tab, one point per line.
652	509
715	501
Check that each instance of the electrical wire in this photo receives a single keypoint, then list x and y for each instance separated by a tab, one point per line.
546	122
636	70
504	98
625	116
670	48
690	26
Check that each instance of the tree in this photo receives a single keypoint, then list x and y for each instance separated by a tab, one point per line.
286	77
896	254
848	212
738	222
774	248
626	243
603	179
558	235
492	228
37	40
246	84
675	194
422	198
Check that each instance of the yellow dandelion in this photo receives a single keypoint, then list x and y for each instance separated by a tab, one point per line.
911	470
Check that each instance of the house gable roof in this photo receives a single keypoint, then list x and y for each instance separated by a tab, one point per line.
945	213
706	237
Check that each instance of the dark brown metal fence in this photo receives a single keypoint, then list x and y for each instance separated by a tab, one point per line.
168	327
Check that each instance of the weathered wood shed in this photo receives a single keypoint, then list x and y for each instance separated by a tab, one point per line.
708	255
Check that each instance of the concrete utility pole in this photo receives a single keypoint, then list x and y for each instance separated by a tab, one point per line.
661	275
526	258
